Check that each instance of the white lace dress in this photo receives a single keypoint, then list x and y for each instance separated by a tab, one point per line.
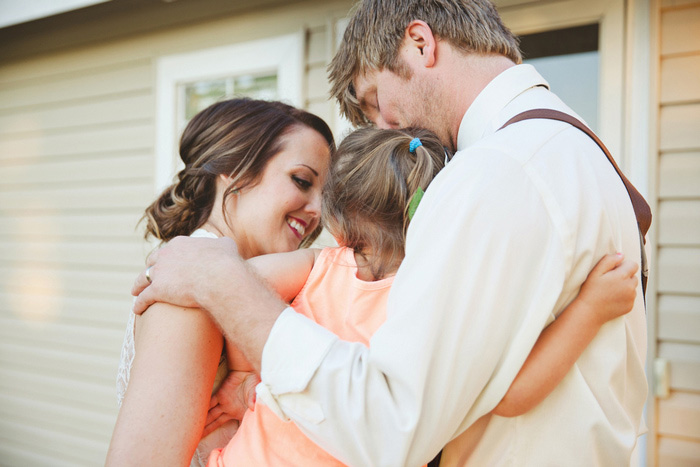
127	359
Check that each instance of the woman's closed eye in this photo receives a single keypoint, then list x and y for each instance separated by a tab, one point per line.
303	183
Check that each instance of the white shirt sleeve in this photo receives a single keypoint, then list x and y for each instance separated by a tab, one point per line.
485	263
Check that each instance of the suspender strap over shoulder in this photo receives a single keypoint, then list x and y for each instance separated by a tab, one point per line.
641	208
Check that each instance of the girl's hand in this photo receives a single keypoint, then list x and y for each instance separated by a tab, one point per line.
217	439
611	288
231	400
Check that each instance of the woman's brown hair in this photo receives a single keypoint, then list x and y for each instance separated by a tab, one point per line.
373	177
236	137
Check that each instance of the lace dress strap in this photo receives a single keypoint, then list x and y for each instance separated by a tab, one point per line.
126	360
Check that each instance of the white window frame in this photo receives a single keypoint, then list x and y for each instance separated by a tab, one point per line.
283	55
609	14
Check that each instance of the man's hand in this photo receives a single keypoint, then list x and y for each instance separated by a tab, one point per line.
183	271
209	274
232	399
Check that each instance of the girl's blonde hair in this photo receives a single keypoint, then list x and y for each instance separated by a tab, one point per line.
372	179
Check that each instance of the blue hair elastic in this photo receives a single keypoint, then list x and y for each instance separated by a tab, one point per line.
415	142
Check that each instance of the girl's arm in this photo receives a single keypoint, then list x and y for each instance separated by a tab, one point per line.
162	416
608	292
286	273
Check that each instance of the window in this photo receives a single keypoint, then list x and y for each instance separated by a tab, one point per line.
268	69
568	60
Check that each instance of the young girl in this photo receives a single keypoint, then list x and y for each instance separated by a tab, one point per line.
374	186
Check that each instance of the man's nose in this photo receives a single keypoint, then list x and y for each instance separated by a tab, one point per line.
382	124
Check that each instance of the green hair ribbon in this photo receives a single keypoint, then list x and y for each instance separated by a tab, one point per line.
415	201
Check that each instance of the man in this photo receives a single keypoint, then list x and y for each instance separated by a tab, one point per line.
502	241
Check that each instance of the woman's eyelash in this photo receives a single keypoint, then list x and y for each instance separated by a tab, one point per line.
305	184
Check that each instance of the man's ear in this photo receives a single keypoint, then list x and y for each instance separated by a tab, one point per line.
419	43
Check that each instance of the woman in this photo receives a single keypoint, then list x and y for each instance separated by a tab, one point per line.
254	171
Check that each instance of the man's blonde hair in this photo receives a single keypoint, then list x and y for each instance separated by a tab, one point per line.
376	31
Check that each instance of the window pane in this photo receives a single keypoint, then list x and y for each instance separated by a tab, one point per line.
201	94
568	59
257	87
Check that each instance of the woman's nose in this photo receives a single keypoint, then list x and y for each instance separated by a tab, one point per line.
314	204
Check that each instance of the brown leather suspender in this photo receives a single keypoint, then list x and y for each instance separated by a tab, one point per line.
641	209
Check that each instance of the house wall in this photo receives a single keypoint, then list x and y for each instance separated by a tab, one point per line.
676	425
77	145
77	150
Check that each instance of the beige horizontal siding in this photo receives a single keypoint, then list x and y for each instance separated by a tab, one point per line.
78	310
679	270
679	127
109	110
31	279
94	170
76	171
676	78
679	415
677	3
78	254
44	441
76	366
53	89
95	197
59	335
677	427
679	174
678	453
77	142
679	318
61	224
679	222
679	30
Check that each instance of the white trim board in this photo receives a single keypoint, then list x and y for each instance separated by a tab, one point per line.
282	54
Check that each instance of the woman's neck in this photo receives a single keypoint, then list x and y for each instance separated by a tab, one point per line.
220	229
212	227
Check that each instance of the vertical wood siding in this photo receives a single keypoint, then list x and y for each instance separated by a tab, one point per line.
678	223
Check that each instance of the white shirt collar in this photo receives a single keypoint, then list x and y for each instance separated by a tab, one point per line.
479	118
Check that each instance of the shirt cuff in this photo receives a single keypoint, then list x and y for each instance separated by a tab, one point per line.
293	352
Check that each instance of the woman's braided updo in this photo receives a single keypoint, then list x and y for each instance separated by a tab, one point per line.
237	138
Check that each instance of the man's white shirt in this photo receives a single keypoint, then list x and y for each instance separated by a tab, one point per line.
502	241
